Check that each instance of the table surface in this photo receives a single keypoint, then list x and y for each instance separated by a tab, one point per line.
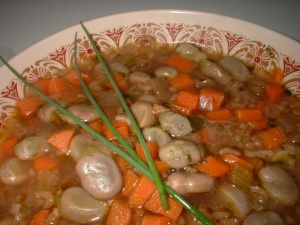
23	23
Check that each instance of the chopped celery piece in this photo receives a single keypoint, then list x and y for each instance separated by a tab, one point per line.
241	177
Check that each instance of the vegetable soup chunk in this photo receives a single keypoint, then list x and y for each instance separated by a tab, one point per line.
99	175
223	137
78	206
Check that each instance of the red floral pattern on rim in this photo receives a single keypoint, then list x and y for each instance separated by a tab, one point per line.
174	29
85	48
253	53
12	93
158	32
290	66
233	40
115	34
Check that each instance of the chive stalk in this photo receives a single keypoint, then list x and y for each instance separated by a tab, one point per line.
105	119
157	178
134	162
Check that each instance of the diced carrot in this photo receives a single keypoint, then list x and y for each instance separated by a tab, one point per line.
154	220
213	167
180	63
119	213
72	77
40	218
130	180
29	106
210	99
120	81
232	160
57	85
122	128
258	124
122	164
7	146
96	125
142	192
273	137
45	163
183	110
207	135
161	166
182	81
154	205
187	99
42	85
245	115
61	139
152	147
274	91
158	109
277	75
221	114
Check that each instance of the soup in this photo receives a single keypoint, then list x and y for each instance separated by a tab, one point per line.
222	135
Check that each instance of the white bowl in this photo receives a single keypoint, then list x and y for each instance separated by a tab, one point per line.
257	46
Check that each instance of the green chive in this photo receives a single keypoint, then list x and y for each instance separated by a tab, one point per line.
108	123
157	178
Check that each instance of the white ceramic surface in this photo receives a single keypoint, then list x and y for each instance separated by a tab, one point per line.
255	45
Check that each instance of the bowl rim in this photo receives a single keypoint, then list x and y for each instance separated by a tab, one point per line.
293	49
